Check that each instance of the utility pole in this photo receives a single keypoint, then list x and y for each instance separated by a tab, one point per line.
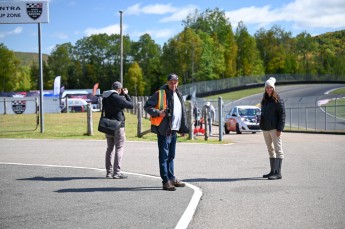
41	78
121	49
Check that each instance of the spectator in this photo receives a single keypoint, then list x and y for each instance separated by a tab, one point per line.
168	117
272	122
210	112
196	113
114	102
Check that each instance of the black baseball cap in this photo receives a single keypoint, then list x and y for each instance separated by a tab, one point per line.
172	76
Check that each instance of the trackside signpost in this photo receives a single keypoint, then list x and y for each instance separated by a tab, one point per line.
24	12
28	12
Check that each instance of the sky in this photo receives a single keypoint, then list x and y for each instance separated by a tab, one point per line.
72	20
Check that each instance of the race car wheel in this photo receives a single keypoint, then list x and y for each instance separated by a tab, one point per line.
238	129
226	130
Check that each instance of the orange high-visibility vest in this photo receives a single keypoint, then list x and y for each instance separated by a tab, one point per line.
161	105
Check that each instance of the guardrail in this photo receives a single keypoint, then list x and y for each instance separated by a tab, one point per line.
214	87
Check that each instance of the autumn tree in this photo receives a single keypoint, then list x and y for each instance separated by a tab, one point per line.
134	80
218	27
276	50
248	58
305	48
211	63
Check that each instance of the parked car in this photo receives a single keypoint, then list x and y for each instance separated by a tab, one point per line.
243	119
74	105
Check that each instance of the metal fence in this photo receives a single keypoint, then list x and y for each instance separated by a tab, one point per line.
208	87
18	114
313	114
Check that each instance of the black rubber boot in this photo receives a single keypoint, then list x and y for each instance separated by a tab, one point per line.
272	163
277	171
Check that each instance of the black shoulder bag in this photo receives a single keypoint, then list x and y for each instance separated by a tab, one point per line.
106	125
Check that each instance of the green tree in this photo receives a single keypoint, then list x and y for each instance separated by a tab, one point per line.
213	22
189	51
326	55
48	80
276	50
23	82
230	55
169	60
147	54
75	73
34	76
13	76
94	55
60	62
135	80
103	53
217	26
305	48
181	55
339	68
248	58
211	63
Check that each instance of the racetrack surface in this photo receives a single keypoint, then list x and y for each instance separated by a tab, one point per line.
61	184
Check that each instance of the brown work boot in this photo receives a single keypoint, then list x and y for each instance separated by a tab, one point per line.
178	183
168	186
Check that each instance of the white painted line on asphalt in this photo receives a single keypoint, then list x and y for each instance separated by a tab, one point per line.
188	213
190	210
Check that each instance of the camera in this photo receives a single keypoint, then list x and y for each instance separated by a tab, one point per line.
123	90
168	112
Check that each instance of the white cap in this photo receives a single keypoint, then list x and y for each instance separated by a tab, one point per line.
270	82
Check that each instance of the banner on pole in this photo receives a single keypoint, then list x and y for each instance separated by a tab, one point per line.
22	12
57	83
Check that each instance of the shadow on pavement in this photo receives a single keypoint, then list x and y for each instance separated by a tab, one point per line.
40	178
108	189
223	179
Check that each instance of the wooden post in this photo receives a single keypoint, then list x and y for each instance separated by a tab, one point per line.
5	107
66	104
220	118
142	99
89	120
189	111
206	124
37	107
145	99
135	105
139	115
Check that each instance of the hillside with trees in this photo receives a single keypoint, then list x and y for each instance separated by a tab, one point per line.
208	48
28	58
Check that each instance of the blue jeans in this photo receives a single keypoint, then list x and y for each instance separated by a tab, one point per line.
167	147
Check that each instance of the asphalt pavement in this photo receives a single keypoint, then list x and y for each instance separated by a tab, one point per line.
62	184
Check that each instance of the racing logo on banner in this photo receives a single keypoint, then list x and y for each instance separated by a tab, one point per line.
18	107
34	10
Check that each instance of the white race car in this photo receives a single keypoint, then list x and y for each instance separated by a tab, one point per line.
243	119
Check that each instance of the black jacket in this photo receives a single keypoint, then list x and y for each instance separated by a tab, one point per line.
114	104
272	115
165	127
